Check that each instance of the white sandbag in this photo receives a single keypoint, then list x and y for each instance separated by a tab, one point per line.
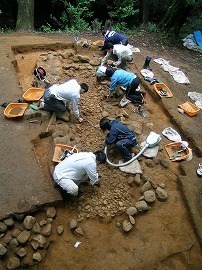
171	134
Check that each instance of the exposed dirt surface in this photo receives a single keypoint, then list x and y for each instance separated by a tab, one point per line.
164	237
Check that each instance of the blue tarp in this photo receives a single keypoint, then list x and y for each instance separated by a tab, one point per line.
198	37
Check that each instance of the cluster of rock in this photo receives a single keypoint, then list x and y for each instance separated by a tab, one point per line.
25	243
150	192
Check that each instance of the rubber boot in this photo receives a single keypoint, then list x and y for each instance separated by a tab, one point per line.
146	64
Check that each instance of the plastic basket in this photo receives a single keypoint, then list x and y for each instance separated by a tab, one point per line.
189	108
59	150
33	94
175	153
160	88
15	110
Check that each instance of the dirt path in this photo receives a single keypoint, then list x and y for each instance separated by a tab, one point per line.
163	237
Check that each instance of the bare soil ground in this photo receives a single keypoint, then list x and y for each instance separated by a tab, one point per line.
164	236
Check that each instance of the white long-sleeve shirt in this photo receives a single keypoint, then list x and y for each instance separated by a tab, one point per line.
68	91
77	167
120	51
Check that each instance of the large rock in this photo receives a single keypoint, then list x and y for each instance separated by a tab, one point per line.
23	237
127	226
3	227
149	196
13	263
46	230
51	212
141	206
161	193
3	250
131	211
29	222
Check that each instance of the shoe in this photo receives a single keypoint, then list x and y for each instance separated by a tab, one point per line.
141	112
199	170
124	101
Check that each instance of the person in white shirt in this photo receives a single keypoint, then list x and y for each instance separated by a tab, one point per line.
121	52
58	97
78	168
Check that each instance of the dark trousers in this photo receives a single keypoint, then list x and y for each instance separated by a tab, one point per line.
125	146
51	103
133	95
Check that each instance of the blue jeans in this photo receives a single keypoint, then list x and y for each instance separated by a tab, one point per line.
125	146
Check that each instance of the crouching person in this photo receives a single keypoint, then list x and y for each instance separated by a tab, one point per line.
78	168
120	135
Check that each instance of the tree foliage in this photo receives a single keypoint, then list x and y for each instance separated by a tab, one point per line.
91	14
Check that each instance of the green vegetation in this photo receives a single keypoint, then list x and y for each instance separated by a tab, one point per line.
175	18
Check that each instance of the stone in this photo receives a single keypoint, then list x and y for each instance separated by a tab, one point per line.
146	187
19	216
22	252
73	224
42	222
46	230
13	243
23	237
34	244
150	163
161	193
60	229
40	239
133	168
150	152
137	179
132	220
162	185
49	220
118	224
37	256
127	226
7	237
3	250
51	212
16	232
149	196
9	222
29	222
13	263
3	227
141	206
79	231
164	162
130	180
36	228
131	211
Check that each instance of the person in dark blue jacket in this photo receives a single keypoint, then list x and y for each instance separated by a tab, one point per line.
120	135
114	37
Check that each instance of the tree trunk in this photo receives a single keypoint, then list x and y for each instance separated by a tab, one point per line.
144	11
25	17
176	16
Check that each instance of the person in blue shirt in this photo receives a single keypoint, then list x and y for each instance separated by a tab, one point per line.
130	82
120	135
113	37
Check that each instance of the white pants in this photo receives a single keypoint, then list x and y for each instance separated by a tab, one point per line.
68	184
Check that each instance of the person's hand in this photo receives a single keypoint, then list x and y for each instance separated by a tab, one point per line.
80	119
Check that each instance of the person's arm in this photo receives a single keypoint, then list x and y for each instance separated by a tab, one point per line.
104	60
111	136
118	62
92	173
113	85
75	108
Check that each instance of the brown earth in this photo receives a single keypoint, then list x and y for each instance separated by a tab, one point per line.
164	237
